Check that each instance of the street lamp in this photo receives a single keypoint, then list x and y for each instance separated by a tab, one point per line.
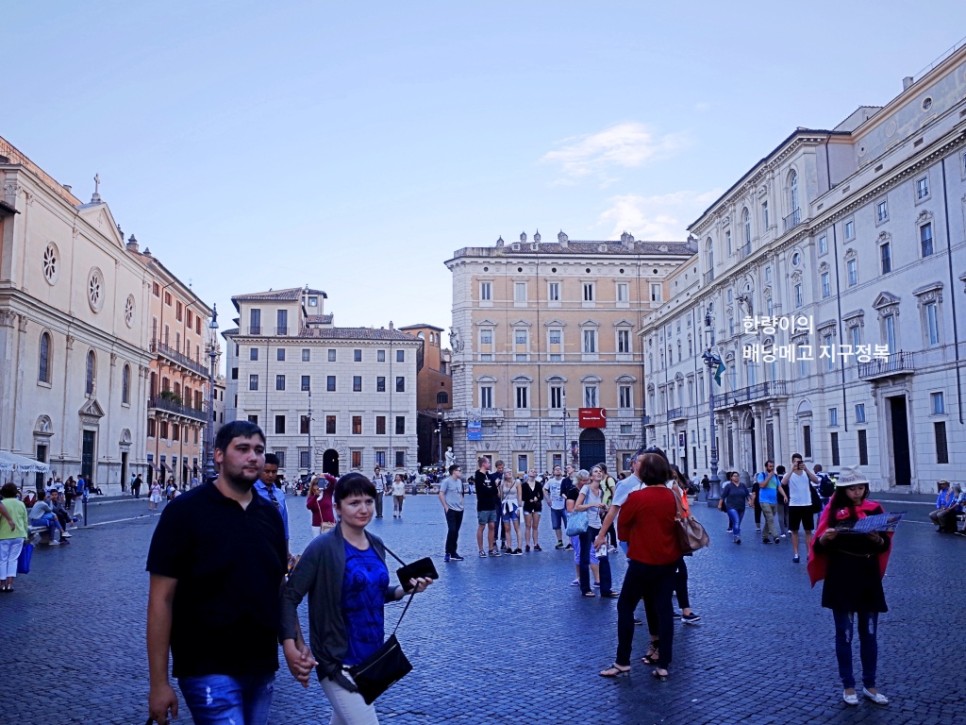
308	430
712	360
439	436
212	349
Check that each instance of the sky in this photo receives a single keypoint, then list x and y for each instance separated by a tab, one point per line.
354	147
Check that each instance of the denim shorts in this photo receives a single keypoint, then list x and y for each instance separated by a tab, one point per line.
486	517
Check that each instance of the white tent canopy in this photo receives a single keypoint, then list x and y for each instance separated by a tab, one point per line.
12	462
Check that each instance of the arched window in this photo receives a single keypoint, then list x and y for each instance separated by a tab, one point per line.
746	224
442	398
91	372
45	366
709	248
792	191
126	385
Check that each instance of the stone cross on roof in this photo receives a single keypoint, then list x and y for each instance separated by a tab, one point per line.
96	197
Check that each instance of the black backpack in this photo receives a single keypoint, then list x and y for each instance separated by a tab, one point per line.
825	486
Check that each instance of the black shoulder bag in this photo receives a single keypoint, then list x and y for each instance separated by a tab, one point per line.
385	666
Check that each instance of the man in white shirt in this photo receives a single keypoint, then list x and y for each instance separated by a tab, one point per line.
799	481
558	509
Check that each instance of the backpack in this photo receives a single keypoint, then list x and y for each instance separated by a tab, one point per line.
825	486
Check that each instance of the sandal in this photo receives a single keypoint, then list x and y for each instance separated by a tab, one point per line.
590	595
656	674
650	658
615	670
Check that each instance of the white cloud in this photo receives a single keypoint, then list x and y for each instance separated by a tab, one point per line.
662	217
626	145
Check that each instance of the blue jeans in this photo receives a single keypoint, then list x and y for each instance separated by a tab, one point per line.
227	700
735	516
868	647
50	521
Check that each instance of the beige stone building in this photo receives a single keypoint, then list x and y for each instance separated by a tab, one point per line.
179	375
547	365
333	399
74	358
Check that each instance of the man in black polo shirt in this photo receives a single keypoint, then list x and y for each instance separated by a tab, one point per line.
217	560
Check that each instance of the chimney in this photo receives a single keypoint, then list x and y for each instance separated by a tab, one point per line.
562	239
67	187
132	244
907	81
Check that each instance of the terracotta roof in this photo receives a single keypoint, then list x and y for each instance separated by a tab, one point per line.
292	294
421	325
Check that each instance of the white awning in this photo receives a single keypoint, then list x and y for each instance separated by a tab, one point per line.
13	462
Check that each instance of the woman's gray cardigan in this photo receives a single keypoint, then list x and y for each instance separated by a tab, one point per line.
319	574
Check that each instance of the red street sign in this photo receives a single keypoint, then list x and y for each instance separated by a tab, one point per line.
592	417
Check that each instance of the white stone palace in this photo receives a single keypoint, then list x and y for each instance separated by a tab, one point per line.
857	235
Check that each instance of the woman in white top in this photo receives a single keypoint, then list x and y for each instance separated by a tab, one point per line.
511	494
398	494
591	500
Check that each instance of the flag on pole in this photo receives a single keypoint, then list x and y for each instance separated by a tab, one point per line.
718	370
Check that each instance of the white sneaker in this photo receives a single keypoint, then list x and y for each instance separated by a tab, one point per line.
54	543
878	698
852	699
65	535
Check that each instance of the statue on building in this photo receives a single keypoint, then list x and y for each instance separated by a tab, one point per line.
450	458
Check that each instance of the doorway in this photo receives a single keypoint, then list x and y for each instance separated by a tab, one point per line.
899	440
330	462
592	448
87	455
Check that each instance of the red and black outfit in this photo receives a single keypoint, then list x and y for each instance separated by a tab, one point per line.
647	523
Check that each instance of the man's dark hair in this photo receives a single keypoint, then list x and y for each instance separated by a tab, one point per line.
769	461
452	468
797	456
271	459
353	484
780	470
236	429
654	470
817	468
9	490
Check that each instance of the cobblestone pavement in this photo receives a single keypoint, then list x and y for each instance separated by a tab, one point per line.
508	640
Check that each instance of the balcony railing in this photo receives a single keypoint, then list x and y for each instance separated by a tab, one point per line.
675	414
793	220
744	251
254	329
751	394
173	406
898	363
709	276
281	330
169	352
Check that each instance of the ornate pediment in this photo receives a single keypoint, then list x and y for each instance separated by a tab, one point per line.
885	299
91	411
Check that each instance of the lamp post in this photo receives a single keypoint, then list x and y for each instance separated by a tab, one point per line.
439	437
210	472
308	431
712	361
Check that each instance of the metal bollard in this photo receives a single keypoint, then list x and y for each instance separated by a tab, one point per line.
84	506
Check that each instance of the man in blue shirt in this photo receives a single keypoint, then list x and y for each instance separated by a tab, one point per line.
769	487
267	487
943	501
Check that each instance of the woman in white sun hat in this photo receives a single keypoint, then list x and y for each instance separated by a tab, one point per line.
852	565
